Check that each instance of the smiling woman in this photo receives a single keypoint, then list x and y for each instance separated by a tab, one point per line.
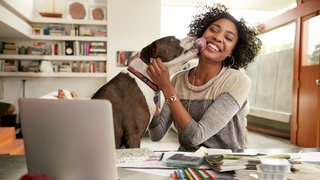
211	99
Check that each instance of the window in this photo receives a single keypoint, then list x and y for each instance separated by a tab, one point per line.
311	48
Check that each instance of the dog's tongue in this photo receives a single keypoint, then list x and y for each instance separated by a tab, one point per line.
200	43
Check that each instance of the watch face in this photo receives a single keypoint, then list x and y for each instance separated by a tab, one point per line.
69	50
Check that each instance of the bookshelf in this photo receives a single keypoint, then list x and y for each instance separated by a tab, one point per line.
78	44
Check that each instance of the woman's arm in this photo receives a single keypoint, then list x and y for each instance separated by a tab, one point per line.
215	118
160	75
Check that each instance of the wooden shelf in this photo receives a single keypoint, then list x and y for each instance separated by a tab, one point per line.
68	38
68	21
53	58
54	74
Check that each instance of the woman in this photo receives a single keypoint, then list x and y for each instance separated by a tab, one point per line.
208	103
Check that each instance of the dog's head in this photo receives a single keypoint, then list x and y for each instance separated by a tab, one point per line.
166	48
172	51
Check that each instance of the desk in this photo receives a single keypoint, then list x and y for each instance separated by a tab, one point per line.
12	167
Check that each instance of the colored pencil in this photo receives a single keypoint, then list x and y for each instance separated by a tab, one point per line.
194	174
176	175
200	174
208	174
173	177
180	173
188	174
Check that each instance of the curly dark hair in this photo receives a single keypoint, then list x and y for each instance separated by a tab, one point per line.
248	44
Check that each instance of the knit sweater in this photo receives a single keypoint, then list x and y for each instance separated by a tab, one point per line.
218	110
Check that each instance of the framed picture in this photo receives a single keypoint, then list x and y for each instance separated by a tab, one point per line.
124	58
98	13
77	10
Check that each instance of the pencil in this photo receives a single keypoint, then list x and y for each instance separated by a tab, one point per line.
161	157
208	174
188	174
180	173
200	174
194	174
173	177
176	175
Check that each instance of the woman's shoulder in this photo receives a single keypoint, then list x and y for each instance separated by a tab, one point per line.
237	75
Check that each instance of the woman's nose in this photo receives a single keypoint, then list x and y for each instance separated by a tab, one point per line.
217	37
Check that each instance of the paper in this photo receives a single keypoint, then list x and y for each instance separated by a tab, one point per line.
135	155
306	157
155	164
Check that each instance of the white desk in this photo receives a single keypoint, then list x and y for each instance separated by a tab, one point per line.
14	166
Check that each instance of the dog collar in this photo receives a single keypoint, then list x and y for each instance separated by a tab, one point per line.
143	78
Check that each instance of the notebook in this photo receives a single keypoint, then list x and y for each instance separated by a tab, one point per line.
69	139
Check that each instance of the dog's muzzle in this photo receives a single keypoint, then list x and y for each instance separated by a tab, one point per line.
199	45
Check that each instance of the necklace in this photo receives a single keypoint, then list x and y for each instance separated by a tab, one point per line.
192	85
191	89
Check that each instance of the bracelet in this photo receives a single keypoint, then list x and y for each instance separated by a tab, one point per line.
171	99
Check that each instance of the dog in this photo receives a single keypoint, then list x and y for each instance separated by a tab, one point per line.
132	92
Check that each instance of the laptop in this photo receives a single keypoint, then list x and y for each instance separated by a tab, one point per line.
69	139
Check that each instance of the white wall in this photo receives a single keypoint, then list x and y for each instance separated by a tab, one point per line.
25	8
131	26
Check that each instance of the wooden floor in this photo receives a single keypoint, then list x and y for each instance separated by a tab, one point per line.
8	142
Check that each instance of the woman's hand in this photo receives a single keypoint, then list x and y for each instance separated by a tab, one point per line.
159	74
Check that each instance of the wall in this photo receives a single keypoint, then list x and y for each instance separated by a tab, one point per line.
131	26
25	9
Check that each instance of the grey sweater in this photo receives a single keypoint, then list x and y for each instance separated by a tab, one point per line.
218	110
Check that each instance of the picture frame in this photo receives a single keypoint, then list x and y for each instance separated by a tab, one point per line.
124	58
97	13
78	10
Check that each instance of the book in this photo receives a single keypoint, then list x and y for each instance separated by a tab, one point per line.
232	162
184	161
134	155
9	48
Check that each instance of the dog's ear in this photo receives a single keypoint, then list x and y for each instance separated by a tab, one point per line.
146	52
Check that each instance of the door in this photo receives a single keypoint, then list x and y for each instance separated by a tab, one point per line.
308	127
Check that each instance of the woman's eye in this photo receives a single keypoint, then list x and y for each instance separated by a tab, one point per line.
214	29
229	38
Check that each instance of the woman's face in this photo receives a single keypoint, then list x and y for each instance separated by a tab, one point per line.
221	36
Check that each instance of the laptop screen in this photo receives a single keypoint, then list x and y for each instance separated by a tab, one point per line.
69	139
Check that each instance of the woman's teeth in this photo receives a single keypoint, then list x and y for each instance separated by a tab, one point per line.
214	47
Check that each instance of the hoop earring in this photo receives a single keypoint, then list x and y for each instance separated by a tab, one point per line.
232	59
229	62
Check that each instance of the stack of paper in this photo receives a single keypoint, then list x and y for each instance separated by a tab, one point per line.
272	168
232	162
134	155
221	163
